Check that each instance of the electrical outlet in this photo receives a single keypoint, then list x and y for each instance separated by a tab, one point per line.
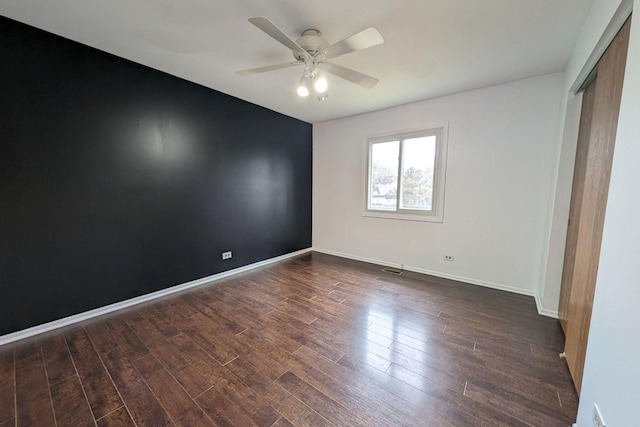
447	257
598	421
226	255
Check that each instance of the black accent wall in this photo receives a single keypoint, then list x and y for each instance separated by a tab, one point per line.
117	180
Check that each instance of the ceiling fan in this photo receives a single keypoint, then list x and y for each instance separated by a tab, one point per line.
313	51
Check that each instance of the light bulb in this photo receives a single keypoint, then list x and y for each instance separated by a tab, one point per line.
303	88
320	84
303	91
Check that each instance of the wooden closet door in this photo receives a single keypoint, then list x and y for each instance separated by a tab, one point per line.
582	267
579	171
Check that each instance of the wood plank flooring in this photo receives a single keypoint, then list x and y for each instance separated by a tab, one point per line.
312	341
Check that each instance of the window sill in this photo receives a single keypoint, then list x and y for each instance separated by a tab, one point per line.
403	217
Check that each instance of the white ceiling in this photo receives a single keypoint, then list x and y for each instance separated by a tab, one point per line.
432	47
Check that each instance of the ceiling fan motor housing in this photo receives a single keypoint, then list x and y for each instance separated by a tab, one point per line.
311	41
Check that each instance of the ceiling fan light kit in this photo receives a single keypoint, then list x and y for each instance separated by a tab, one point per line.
314	51
311	78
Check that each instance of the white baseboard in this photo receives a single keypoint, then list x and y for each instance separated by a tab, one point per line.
542	311
483	283
545	311
46	327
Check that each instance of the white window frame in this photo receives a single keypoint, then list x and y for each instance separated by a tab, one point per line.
436	214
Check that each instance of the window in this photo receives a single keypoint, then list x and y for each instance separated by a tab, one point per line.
405	176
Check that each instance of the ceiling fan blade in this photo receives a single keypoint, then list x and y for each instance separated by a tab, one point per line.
270	28
364	39
349	74
252	71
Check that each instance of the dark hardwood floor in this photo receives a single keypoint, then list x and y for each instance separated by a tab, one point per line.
312	341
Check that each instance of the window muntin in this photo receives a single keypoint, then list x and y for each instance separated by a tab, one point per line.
405	176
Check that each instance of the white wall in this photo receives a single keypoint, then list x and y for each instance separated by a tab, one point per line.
612	369
503	148
549	289
601	14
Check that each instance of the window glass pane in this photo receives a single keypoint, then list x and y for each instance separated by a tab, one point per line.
383	184
418	160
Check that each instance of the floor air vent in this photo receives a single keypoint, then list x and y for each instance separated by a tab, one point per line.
392	270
